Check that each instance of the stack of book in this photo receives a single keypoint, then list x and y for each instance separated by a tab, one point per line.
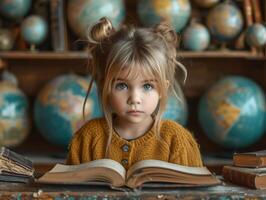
248	169
15	167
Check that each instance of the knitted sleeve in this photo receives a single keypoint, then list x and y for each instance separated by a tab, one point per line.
79	148
184	149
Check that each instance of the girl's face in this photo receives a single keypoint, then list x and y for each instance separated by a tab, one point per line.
134	100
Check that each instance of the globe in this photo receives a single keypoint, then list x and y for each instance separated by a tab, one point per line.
196	37
225	22
58	108
150	12
34	29
232	112
6	40
83	13
206	3
14	9
176	109
14	113
256	35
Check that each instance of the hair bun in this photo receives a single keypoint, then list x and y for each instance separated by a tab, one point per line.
165	30
100	30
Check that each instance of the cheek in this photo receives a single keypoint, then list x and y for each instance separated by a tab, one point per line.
152	101
116	102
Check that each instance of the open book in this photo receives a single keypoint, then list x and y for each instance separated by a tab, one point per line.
112	172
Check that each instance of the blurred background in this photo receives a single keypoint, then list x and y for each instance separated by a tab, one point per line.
43	63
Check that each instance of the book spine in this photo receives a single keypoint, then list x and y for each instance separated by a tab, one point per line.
239	178
249	18
58	25
257	11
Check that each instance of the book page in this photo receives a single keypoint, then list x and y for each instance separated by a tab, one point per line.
104	170
11	166
105	163
166	165
257	171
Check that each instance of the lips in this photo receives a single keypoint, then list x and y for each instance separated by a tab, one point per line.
134	112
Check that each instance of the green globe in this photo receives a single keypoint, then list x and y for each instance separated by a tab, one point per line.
225	22
151	12
196	37
232	112
58	108
83	13
34	29
176	109
256	35
14	9
14	113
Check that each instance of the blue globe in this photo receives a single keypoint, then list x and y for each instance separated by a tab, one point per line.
225	22
232	112
83	13
14	113
14	9
196	37
256	35
34	29
151	12
176	109
58	108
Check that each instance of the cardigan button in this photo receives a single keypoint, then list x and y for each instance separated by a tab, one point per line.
124	161
125	148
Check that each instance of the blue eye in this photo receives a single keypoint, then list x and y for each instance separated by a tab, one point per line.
148	87
121	86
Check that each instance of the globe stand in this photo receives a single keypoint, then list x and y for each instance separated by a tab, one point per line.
223	47
33	47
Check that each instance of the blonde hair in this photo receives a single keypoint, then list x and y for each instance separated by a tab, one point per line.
151	49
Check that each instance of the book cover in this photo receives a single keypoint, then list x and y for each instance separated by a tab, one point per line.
250	159
142	172
250	177
58	25
6	176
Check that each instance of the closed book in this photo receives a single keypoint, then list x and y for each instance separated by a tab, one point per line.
58	25
254	178
6	176
250	159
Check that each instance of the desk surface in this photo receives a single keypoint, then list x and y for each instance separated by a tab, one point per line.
29	191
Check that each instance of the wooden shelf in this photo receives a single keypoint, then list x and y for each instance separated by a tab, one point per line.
50	55
83	55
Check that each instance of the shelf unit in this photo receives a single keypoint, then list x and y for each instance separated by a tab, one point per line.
35	69
69	55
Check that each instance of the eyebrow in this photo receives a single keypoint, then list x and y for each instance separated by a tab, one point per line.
145	81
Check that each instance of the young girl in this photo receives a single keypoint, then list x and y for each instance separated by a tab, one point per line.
134	70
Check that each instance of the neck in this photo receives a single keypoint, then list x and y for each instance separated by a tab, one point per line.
129	130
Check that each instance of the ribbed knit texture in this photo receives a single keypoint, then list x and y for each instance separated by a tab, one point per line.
176	145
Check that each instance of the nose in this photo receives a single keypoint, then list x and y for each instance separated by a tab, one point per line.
134	97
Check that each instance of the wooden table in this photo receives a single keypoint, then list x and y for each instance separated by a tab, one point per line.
30	191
